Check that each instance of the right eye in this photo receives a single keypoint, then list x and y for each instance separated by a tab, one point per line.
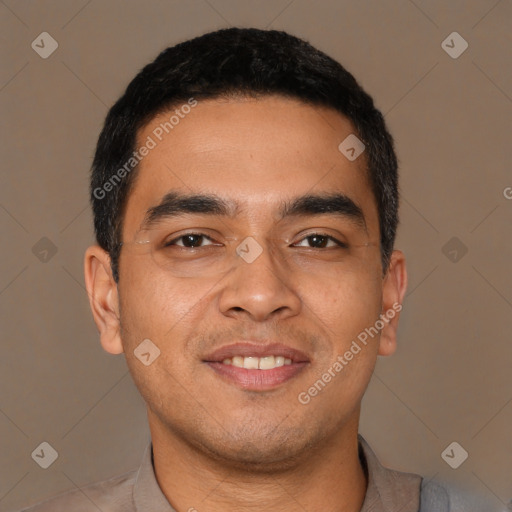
189	240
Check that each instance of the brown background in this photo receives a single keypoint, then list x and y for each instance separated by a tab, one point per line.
450	379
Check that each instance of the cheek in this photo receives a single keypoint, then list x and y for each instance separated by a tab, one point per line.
345	302
154	303
167	312
344	307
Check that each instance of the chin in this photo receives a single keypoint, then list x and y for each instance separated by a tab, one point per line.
271	452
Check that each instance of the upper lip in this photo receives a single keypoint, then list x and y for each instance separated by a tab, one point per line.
248	349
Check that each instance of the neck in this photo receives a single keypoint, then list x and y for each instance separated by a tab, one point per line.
328	478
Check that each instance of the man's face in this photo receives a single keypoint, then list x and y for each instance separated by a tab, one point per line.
203	304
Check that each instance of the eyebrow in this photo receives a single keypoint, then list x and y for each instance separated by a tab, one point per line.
336	204
174	204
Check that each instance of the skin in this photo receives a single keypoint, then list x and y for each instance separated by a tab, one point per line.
218	447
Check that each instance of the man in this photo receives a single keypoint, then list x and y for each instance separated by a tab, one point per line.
245	201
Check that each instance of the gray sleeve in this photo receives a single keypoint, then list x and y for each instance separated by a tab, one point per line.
433	498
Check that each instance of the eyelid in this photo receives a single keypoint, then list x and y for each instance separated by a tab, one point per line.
173	241
197	233
338	242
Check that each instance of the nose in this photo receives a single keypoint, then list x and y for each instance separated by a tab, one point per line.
261	289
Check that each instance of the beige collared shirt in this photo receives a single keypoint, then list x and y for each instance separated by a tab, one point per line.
138	491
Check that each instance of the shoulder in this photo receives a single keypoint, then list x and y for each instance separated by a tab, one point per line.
441	497
114	494
433	497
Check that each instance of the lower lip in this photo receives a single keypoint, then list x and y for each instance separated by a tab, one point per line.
257	380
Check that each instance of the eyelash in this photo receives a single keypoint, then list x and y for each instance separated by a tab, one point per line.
340	244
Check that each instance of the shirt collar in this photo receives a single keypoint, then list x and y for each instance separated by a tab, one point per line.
147	495
387	489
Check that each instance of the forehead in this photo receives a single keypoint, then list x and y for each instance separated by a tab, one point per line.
257	152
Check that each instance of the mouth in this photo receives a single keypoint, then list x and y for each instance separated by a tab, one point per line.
257	367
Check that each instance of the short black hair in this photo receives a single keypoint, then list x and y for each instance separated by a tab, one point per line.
229	63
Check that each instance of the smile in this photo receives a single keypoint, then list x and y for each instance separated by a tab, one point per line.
258	363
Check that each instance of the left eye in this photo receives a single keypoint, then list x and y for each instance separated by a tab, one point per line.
190	240
320	241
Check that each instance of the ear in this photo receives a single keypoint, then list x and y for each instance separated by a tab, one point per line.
393	292
103	298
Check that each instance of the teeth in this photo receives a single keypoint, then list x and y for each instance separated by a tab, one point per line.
279	361
237	361
254	363
251	363
267	363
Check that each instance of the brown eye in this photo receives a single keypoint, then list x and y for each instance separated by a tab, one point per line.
320	241
190	240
